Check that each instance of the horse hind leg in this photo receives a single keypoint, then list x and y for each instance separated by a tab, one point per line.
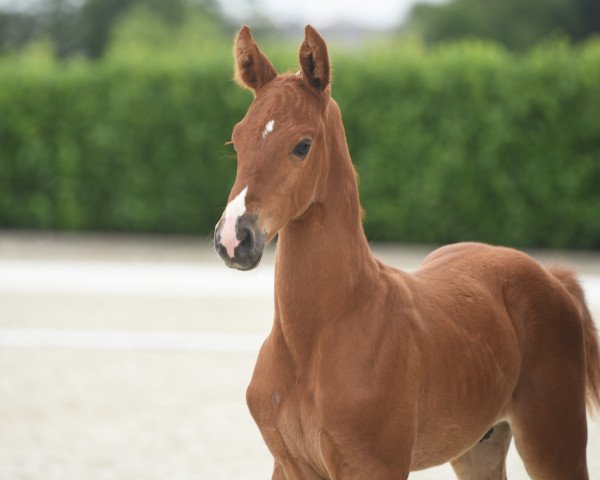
547	411
486	460
550	428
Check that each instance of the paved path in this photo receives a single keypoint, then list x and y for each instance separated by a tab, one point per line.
128	358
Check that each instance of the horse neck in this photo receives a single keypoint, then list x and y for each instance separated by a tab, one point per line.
322	257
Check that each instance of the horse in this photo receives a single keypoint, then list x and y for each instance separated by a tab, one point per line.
370	372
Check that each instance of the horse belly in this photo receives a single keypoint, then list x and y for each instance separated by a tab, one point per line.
454	432
470	382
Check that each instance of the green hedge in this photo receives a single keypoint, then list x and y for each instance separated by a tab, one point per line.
463	142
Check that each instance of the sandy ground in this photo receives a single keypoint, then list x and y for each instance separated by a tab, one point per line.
128	358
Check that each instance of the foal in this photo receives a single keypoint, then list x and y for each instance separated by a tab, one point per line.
370	372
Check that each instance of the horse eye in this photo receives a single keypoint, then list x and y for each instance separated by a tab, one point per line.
301	150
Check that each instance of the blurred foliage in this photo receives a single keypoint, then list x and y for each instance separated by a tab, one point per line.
470	142
461	142
515	24
143	31
87	27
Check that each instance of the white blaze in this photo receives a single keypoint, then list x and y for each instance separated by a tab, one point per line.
268	128
234	210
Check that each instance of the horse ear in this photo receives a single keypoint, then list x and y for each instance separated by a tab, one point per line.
252	68
314	59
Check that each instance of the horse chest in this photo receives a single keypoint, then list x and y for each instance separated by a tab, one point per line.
286	415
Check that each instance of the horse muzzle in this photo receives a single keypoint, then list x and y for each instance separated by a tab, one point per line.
240	247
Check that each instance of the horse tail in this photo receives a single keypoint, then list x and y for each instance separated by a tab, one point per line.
590	334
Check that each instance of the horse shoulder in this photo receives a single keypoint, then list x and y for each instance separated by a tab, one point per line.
368	355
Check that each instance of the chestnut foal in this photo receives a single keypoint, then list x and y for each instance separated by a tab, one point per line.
370	372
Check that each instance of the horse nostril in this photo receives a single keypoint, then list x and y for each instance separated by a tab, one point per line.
244	250
221	250
246	240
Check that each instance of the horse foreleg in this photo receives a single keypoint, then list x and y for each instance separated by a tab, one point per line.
359	461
